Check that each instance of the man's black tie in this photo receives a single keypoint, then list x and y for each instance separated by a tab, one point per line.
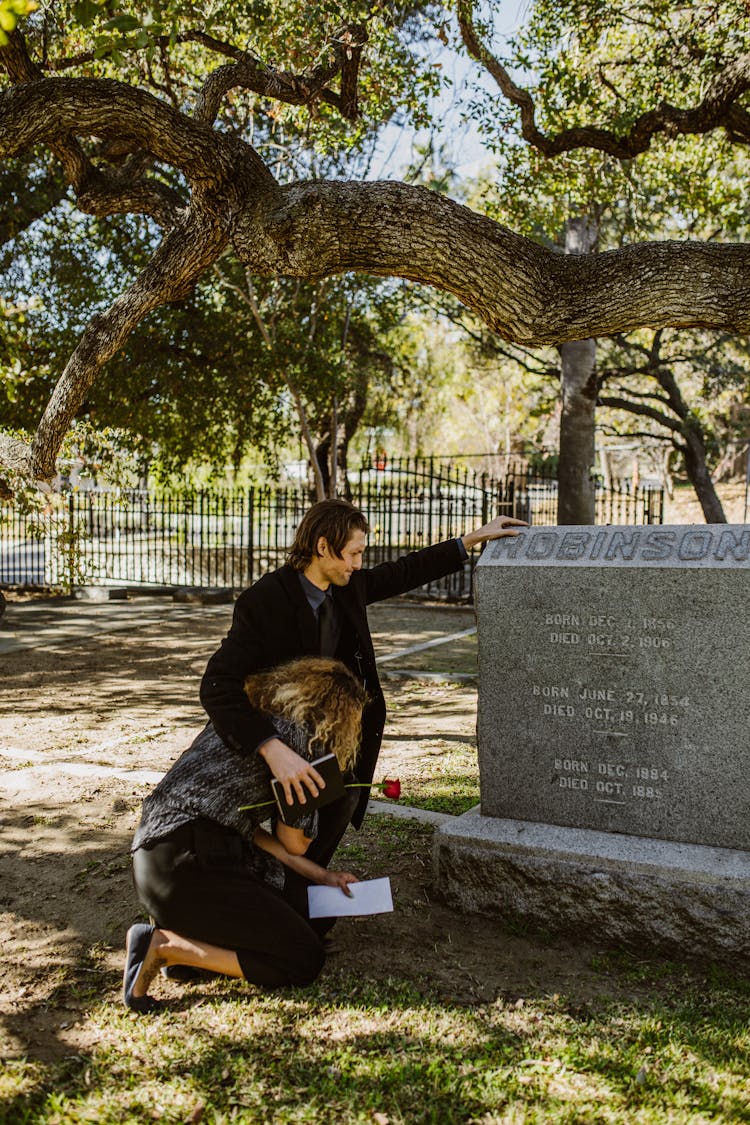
327	631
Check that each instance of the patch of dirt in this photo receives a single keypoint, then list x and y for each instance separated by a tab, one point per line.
89	722
683	505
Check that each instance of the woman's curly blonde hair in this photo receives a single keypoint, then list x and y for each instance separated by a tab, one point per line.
319	693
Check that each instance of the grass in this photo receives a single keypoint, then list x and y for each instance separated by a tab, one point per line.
436	759
351	1049
661	1044
452	793
383	844
445	778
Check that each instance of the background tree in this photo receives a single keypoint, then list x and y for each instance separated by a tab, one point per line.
648	376
185	351
323	344
594	63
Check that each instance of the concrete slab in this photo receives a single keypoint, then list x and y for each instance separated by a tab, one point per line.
680	899
405	812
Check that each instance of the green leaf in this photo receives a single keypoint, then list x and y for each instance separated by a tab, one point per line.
85	12
123	23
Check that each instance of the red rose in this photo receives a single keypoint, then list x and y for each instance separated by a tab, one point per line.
392	789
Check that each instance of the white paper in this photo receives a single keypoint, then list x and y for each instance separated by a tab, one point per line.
372	896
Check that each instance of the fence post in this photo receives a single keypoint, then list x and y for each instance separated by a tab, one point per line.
71	542
250	536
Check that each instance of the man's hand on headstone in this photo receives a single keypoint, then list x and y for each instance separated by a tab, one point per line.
297	776
498	528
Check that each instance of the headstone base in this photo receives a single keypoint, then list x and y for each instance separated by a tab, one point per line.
682	900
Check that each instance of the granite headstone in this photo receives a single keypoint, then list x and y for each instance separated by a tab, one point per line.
614	694
615	680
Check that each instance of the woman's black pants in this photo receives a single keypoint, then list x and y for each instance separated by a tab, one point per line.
200	882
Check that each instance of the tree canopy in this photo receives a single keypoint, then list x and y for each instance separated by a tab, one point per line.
155	113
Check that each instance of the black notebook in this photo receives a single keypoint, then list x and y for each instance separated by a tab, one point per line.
328	768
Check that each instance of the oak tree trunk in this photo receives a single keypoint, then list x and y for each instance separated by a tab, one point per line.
576	498
700	478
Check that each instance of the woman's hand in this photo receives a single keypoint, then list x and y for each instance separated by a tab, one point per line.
340	879
305	867
293	771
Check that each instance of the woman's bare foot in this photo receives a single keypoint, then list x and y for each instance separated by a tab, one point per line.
148	948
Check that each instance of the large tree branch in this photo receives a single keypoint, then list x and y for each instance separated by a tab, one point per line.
250	73
104	195
39	112
528	294
715	110
99	192
17	63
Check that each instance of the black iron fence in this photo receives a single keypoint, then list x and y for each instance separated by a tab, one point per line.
215	539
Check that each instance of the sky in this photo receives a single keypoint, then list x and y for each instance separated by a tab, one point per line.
464	149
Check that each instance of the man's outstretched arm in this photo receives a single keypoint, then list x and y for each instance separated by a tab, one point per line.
388	579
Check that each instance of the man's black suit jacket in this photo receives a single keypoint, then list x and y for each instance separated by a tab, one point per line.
273	623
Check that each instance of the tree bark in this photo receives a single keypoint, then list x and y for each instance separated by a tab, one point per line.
697	470
694	447
576	499
526	293
350	412
319	468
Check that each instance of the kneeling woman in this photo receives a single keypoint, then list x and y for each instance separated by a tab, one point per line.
226	895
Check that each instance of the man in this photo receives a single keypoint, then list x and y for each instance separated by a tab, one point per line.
316	604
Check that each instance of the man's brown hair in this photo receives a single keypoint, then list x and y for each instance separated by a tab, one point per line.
334	520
